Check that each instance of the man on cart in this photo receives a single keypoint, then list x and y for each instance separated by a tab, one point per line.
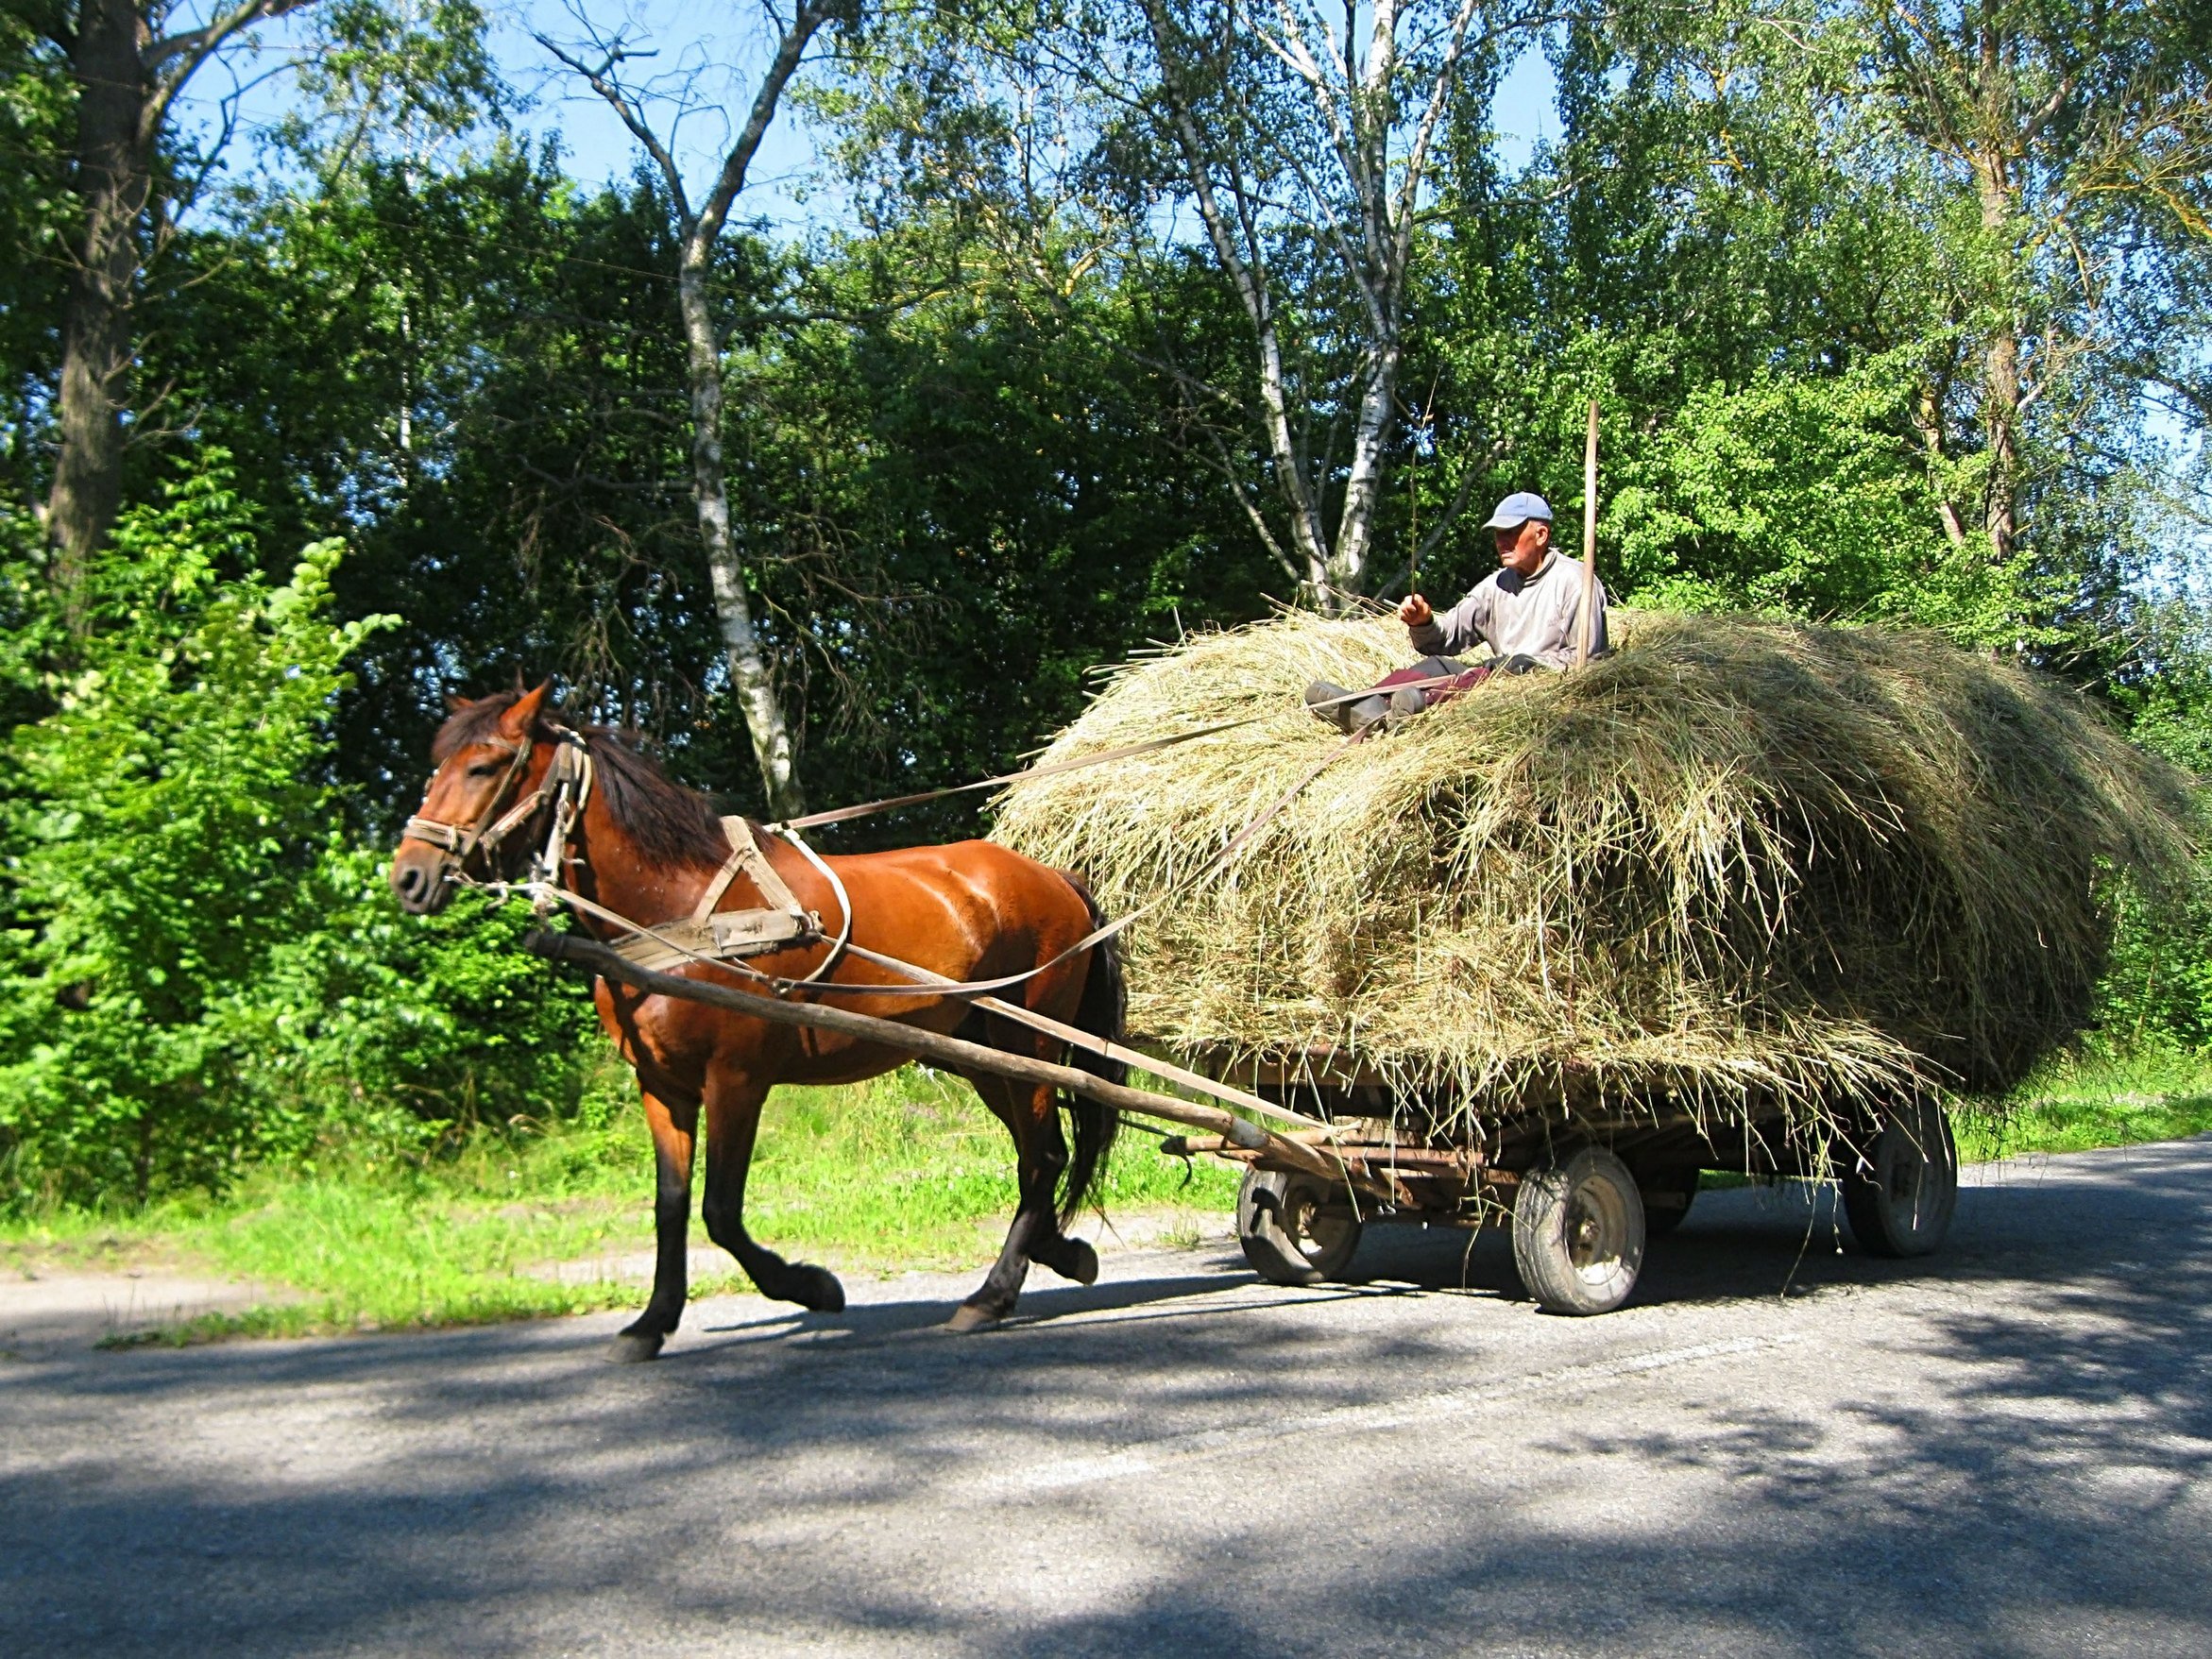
1526	612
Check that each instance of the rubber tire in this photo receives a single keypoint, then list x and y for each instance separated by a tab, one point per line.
1278	1238
1590	1189
1900	1194
1659	1188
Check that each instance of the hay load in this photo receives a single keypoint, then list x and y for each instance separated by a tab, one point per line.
1740	862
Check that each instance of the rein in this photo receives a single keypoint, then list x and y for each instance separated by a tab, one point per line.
547	892
568	783
1125	752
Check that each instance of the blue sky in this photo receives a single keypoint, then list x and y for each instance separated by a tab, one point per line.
718	53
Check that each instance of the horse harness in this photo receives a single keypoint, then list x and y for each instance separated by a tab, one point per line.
731	936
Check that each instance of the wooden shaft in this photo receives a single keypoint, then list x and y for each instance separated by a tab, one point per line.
1588	627
950	1051
1112	1051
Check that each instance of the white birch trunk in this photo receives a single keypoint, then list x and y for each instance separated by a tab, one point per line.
1354	96
750	676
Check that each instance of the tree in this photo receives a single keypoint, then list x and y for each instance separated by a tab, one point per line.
130	64
1076	134
699	230
1282	130
2083	132
172	813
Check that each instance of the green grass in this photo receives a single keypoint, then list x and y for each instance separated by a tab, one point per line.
908	1171
2075	1104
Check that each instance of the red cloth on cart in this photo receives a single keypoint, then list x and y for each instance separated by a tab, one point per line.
1419	673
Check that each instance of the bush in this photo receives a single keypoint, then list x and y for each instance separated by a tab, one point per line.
196	968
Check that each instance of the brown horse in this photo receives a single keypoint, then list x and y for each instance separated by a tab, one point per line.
646	849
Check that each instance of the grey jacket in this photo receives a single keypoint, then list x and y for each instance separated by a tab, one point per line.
1517	615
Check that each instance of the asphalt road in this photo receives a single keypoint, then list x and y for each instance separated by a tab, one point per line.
1776	1450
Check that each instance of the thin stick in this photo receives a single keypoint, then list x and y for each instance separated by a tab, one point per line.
1585	624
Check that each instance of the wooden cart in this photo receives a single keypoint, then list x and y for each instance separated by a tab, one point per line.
1582	1186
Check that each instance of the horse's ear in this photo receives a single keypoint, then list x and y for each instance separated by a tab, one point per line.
521	719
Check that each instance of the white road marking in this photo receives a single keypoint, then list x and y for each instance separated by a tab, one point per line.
1413	1411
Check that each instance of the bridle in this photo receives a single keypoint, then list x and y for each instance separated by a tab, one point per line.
565	786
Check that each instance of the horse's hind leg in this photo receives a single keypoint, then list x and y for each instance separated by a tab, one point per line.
733	1120
1032	1114
673	1133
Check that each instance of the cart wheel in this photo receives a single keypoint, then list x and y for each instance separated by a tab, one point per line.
1900	1192
1667	1194
1578	1233
1285	1235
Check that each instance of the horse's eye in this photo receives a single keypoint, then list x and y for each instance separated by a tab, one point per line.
485	769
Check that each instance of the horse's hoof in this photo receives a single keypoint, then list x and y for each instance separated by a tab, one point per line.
818	1290
1078	1261
967	1317
634	1347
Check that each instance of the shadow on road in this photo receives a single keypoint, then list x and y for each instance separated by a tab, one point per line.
2004	1449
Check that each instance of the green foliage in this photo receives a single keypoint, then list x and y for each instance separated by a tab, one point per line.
1794	495
178	808
196	968
2096	1099
2158	991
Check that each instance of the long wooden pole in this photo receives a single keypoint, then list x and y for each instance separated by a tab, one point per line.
1587	625
952	1052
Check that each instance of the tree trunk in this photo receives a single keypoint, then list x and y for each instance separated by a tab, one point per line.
2001	373
114	180
750	677
749	672
1363	487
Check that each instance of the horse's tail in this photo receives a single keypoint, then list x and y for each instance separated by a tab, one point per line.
1104	1006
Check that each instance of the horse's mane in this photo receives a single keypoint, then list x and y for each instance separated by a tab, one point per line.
669	824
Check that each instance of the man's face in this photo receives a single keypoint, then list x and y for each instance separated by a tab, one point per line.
1522	548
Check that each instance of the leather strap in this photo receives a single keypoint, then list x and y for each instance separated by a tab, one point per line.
778	924
745	854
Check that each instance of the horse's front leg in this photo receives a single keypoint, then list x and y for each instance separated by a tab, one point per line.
734	1100
673	1132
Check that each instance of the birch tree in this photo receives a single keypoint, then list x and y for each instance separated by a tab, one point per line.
699	227
2081	135
1305	143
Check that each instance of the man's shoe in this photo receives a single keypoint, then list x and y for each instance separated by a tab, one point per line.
1330	703
1408	701
1333	705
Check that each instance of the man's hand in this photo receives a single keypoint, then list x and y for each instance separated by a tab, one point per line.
1415	612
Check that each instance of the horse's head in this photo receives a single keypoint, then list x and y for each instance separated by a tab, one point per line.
492	756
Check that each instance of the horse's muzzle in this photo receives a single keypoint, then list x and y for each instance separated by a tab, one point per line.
421	880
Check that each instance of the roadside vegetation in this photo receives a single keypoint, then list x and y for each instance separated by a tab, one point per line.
906	1172
2078	1104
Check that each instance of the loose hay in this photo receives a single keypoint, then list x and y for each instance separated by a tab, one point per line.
1740	863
